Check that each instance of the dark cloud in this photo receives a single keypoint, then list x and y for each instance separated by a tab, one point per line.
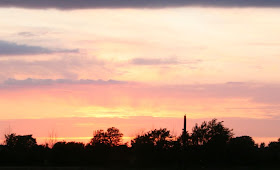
13	49
83	4
8	48
39	82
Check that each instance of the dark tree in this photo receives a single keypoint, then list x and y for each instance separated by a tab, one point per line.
274	150
242	149
159	138
200	134
20	143
262	145
100	137
211	132
112	137
68	147
180	141
244	143
68	153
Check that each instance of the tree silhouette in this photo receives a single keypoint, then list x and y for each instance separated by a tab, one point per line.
68	147
242	149
20	143
274	149
262	145
112	137
244	143
188	139
209	145
211	132
67	153
159	138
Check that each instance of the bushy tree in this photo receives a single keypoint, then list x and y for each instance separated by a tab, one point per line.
244	143
68	147
111	137
274	147
242	149
159	138
180	141
114	136
211	132
19	142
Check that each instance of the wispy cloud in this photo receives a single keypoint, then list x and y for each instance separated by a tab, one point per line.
74	4
161	61
15	49
65	67
41	82
157	61
26	34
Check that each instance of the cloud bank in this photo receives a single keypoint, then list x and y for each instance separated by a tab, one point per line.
14	49
87	4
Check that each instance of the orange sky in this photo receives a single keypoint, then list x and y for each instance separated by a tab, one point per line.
116	65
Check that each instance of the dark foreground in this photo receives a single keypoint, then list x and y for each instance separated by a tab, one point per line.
162	168
209	146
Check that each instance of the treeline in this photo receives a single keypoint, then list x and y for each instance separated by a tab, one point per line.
209	144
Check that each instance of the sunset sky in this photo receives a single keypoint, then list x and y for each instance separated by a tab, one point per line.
71	67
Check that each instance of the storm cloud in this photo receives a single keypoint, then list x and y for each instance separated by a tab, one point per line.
87	4
14	49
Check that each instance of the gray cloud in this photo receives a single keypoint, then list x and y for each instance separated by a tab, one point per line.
268	94
63	67
160	61
257	92
42	82
13	49
8	48
144	61
83	4
26	34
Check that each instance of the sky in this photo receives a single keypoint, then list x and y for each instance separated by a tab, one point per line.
68	68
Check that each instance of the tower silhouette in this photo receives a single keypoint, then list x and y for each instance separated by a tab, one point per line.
185	131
